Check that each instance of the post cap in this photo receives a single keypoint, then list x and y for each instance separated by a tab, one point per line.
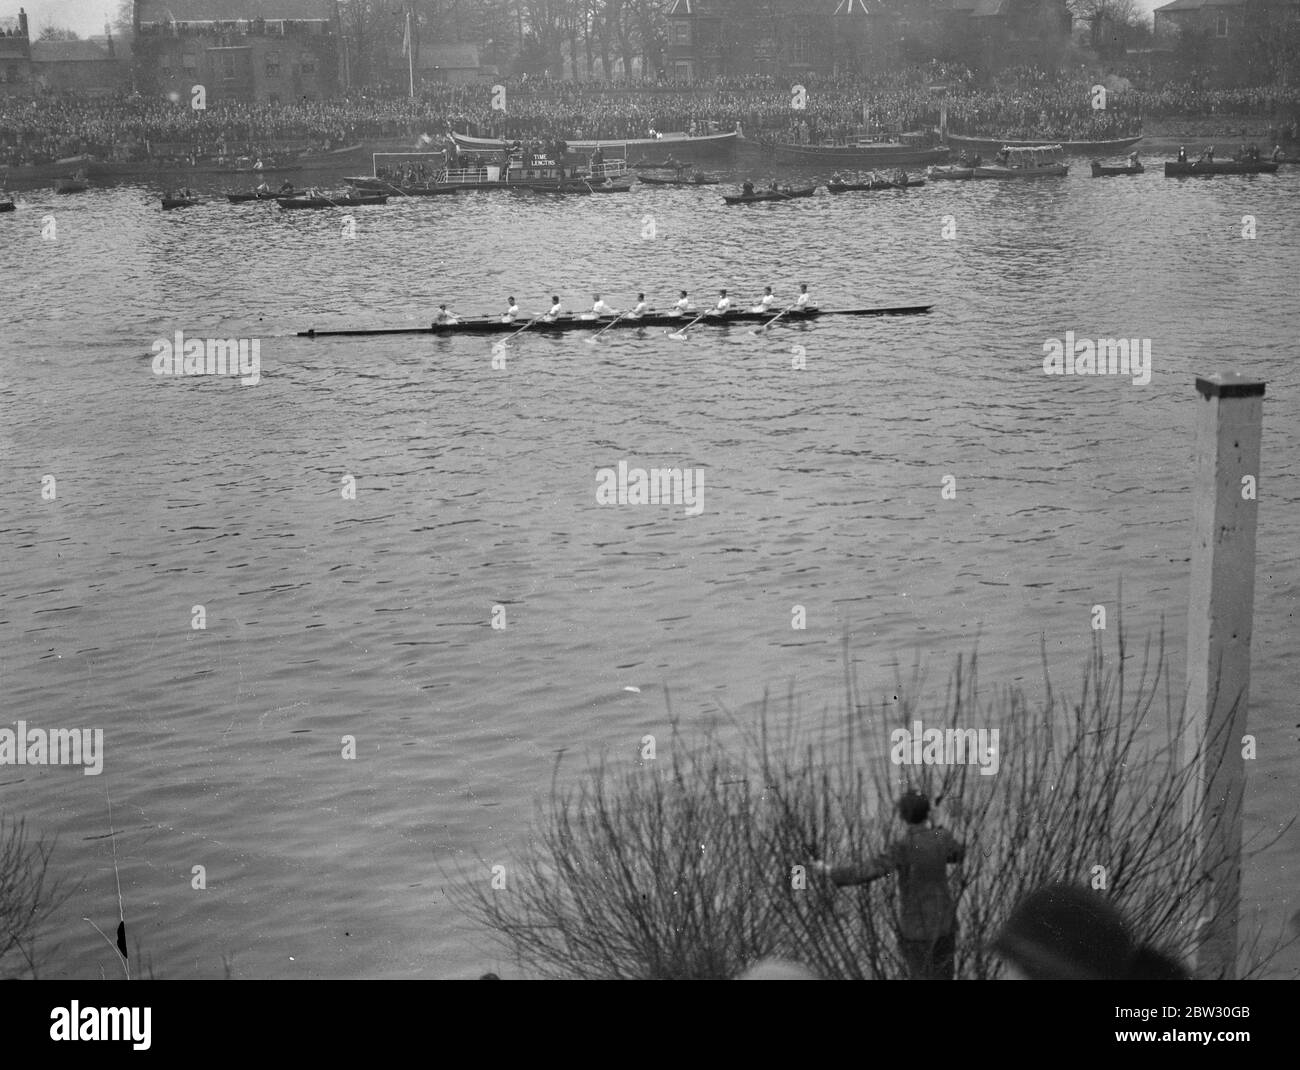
1229	384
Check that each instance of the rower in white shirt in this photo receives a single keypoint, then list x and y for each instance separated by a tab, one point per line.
442	316
554	312
683	305
511	313
639	309
765	302
803	302
723	305
600	308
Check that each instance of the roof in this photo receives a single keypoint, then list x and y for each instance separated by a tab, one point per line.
69	51
449	57
1196	5
681	7
184	10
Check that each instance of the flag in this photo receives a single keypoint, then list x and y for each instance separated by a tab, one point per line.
406	39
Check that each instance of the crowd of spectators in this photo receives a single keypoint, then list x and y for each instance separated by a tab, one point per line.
1022	103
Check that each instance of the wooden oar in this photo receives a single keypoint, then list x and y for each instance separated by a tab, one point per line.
769	323
679	335
397	188
591	341
514	334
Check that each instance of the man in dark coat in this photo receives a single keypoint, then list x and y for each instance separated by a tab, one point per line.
927	913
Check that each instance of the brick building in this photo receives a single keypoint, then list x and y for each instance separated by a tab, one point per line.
261	59
1226	42
16	75
711	38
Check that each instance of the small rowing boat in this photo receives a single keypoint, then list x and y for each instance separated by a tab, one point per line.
1179	169
179	202
872	186
949	172
758	196
494	324
698	180
70	185
254	195
1101	170
428	189
346	200
661	165
7	206
582	187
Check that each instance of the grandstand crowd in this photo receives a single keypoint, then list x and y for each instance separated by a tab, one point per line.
1022	103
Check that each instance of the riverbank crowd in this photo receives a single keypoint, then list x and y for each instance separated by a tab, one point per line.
1021	103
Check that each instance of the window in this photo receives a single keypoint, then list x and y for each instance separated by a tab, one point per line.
679	32
273	64
227	66
190	60
801	49
308	63
1221	26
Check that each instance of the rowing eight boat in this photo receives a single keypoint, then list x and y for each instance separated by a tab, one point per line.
587	322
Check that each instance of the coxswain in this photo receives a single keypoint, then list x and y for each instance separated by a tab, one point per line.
1182	153
836	180
512	311
765	302
554	312
803	302
639	309
1133	158
747	189
600	308
445	318
724	304
683	305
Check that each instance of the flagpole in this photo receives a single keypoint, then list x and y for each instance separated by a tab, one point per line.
410	51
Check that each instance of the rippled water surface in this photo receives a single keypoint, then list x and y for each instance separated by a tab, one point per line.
475	488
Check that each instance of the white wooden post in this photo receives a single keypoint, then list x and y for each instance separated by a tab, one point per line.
1221	605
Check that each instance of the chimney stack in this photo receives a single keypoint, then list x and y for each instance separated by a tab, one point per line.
22	23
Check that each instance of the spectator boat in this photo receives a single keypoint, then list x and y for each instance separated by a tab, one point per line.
1101	170
255	195
863	153
985	145
71	185
758	196
701	142
1033	161
949	172
873	185
339	200
697	180
1181	169
179	202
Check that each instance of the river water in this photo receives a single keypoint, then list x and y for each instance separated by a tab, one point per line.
371	617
